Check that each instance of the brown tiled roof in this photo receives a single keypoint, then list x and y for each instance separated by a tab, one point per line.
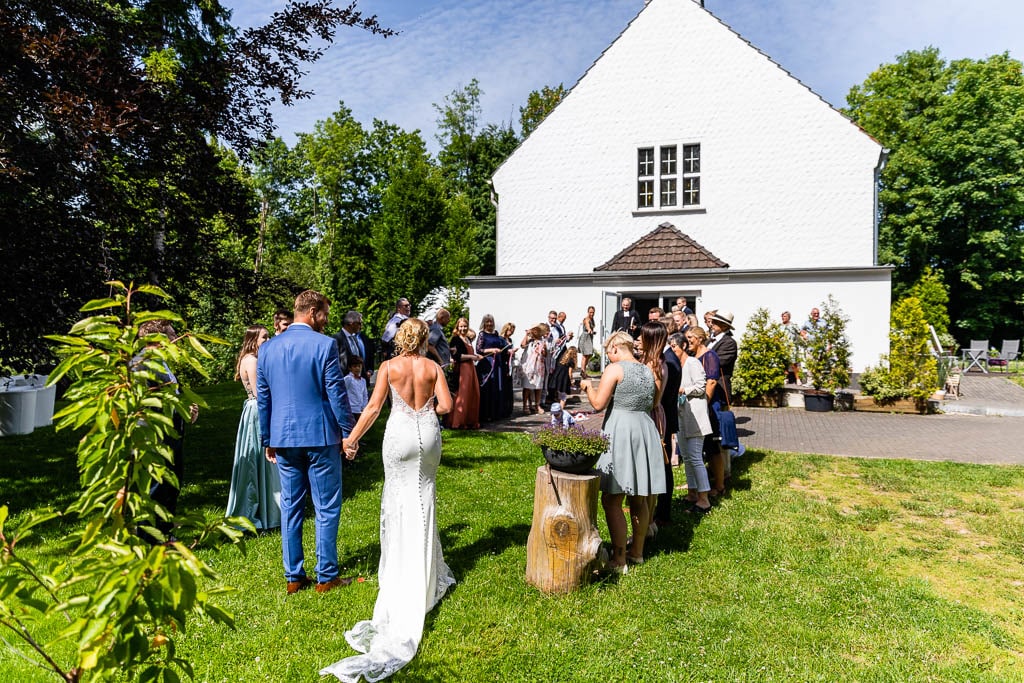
664	248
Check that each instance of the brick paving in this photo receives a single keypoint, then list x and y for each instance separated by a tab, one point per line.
973	438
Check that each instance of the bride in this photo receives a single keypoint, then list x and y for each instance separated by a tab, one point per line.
412	574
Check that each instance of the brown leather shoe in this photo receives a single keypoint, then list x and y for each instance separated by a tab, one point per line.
300	585
337	581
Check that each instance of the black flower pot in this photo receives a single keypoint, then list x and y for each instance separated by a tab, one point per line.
819	401
570	463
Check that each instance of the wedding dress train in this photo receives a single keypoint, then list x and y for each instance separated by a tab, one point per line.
413	575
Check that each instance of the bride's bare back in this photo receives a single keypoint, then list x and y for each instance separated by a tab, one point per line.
415	378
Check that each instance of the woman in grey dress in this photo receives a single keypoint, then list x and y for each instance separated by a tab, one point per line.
633	467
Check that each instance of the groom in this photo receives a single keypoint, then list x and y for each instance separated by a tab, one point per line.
304	414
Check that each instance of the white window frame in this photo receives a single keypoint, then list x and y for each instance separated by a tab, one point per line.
668	177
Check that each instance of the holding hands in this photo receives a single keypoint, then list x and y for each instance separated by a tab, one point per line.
350	447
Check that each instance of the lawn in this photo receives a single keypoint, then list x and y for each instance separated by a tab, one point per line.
812	569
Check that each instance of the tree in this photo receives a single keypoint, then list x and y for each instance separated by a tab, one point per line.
764	357
108	163
933	297
539	104
469	156
952	195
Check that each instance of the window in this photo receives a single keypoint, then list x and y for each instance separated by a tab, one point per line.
675	172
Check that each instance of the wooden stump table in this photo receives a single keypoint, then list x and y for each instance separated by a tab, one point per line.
562	549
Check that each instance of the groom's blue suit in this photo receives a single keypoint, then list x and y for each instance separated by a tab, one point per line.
304	414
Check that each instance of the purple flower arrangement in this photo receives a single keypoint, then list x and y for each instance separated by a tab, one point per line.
575	439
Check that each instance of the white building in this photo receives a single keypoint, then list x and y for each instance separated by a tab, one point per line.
687	162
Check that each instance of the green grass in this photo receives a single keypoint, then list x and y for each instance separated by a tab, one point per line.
812	569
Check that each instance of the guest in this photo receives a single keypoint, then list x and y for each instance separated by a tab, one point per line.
561	417
585	345
808	331
691	321
353	343
707	318
632	466
655	314
652	342
724	346
282	319
490	370
534	367
561	378
794	341
669	403
437	344
403	309
694	425
163	491
681	302
558	340
626	319
466	414
255	490
508	398
355	387
697	339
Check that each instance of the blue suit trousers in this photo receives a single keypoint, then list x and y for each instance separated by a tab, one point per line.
317	471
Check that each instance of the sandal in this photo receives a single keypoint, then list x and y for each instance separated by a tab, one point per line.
698	510
634	560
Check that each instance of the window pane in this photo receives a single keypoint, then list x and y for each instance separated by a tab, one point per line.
668	192
691	191
691	158
668	160
645	162
645	194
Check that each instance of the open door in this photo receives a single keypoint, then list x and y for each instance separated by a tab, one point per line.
610	303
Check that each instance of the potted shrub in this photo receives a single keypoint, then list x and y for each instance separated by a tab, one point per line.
572	449
910	370
764	359
827	358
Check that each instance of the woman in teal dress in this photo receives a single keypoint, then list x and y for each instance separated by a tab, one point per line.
255	483
633	467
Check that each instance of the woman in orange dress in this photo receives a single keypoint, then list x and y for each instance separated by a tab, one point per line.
466	414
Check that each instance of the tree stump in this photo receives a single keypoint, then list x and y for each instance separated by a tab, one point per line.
562	549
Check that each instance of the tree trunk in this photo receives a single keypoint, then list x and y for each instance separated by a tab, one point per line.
562	549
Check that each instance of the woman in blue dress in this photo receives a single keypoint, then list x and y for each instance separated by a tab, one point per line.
490	370
255	483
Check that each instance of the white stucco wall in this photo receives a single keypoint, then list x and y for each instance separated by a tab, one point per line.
786	181
863	294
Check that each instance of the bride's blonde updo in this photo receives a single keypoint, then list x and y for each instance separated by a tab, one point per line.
411	336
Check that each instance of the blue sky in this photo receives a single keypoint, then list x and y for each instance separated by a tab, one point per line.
515	46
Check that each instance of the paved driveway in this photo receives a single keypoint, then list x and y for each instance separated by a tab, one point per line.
957	438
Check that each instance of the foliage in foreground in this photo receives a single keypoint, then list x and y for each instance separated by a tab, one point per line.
122	601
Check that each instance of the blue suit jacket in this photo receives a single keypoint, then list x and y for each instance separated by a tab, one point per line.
300	390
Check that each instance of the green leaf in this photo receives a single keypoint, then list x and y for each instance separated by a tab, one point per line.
96	304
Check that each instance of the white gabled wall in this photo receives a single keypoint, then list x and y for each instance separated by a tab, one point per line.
786	180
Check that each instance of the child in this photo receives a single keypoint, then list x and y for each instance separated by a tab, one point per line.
561	378
355	385
560	417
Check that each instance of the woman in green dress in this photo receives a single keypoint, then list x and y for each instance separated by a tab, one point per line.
255	483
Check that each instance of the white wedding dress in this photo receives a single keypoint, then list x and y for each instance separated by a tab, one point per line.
413	575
